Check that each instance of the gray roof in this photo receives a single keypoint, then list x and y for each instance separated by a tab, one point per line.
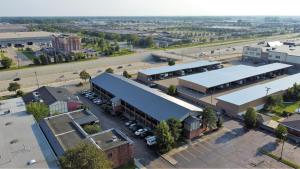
259	91
166	69
292	122
156	104
31	143
49	95
231	74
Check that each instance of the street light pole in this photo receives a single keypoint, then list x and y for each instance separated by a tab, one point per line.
283	139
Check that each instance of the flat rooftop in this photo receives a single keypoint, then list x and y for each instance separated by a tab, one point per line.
66	130
21	35
259	91
109	139
21	138
231	74
177	67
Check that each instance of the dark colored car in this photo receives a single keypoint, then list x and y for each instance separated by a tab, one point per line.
17	79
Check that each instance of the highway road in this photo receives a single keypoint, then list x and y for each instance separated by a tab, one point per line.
132	63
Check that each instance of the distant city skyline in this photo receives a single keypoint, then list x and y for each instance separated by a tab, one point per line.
148	8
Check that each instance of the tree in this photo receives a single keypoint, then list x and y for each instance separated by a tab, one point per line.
6	62
91	129
209	118
20	93
281	132
85	156
171	62
149	42
38	110
84	75
164	138
175	127
36	61
126	74
44	60
13	87
273	101
220	122
250	118
109	70
172	90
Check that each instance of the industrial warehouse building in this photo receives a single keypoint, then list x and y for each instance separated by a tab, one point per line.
146	105
287	52
21	38
236	103
66	131
176	70
209	82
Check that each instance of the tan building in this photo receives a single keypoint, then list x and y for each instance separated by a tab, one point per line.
236	103
66	43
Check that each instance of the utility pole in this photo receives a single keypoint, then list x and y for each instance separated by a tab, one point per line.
267	90
36	78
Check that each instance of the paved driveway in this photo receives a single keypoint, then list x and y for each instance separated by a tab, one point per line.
145	155
230	147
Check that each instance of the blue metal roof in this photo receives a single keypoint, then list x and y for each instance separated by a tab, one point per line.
259	91
154	103
166	69
231	74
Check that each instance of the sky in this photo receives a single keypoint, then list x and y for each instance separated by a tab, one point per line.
148	7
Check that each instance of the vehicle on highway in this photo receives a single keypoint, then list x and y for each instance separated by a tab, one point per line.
17	79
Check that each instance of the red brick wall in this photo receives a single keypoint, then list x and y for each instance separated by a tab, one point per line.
194	133
120	155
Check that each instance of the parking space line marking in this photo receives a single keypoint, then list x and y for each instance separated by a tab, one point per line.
186	159
202	146
192	147
190	153
64	133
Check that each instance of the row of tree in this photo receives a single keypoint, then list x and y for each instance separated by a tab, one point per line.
169	132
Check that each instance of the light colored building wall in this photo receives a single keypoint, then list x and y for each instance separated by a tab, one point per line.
249	51
277	56
192	86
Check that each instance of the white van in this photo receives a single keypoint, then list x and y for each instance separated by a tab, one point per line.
151	140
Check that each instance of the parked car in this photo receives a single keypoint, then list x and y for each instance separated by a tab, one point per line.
17	79
141	131
129	123
151	140
131	127
146	134
136	127
120	67
85	92
138	132
152	85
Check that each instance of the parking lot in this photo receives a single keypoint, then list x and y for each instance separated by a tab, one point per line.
230	147
142	152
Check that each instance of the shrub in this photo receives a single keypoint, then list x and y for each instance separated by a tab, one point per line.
92	129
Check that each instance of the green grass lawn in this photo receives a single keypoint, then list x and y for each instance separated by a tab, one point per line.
29	54
288	107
